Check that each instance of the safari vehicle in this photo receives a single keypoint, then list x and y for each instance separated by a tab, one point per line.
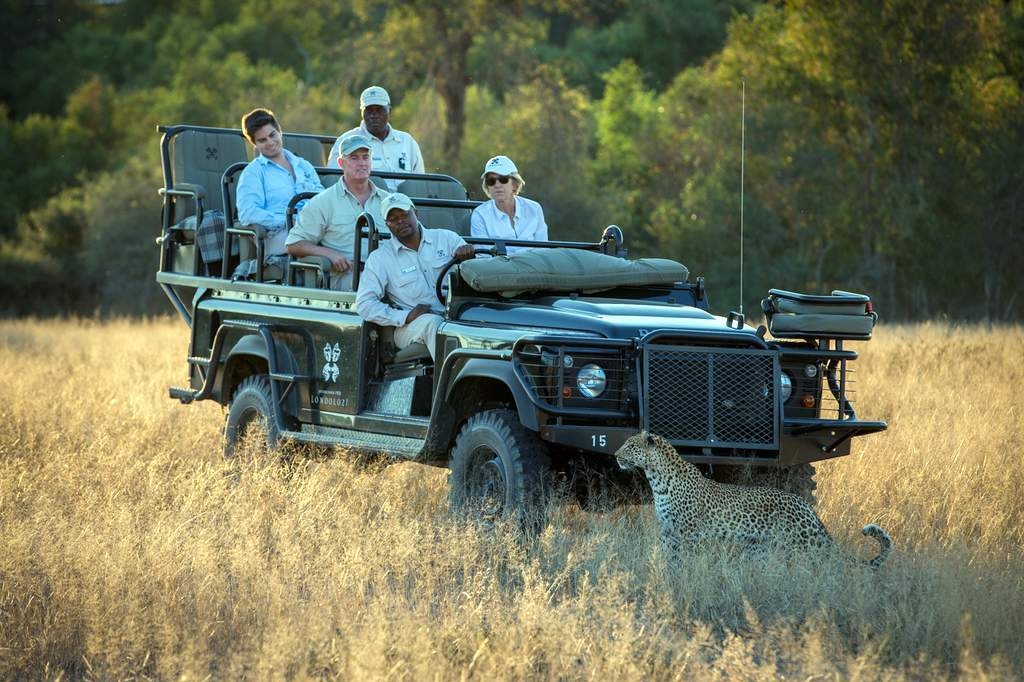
548	359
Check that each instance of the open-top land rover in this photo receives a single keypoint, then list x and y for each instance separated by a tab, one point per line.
548	358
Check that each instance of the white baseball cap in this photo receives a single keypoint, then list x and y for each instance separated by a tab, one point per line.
501	165
396	200
374	95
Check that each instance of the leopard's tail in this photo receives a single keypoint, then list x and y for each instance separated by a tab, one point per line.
877	532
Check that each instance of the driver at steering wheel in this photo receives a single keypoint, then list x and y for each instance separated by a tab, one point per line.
405	269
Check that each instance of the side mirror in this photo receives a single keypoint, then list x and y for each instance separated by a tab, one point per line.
612	241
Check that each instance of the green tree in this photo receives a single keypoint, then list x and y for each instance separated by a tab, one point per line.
544	127
662	37
629	134
440	41
865	137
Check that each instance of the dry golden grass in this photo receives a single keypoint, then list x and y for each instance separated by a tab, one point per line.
130	549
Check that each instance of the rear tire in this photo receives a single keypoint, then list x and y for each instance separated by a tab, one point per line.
252	407
499	468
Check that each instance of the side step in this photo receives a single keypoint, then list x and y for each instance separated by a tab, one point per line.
185	395
399	447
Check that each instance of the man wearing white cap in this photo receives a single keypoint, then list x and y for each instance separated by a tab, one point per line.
405	268
326	227
507	215
393	150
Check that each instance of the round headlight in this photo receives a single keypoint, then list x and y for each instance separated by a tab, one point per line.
591	381
787	387
811	371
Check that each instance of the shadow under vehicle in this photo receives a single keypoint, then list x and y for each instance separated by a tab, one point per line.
548	358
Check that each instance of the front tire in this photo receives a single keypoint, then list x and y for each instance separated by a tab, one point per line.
499	468
251	408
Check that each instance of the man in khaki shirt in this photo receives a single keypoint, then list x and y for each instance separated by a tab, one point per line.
326	226
403	270
392	150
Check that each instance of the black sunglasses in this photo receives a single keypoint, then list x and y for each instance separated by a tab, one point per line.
503	179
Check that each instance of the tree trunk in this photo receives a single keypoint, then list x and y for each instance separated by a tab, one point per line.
451	79
451	85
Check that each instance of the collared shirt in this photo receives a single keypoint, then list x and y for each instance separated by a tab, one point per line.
329	218
490	221
265	188
407	277
398	151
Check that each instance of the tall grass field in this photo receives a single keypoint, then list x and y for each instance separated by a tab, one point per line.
130	549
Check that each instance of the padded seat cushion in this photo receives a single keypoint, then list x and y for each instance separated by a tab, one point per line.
392	354
413	351
839	303
841	314
566	270
200	157
813	324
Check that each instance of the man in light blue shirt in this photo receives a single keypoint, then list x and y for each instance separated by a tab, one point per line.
270	180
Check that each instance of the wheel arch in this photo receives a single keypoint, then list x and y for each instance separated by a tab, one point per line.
250	356
480	384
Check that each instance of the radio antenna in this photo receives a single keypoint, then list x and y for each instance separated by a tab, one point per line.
743	155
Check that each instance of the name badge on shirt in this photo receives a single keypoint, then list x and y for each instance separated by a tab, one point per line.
411	268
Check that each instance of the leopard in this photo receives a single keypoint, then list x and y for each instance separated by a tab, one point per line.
691	508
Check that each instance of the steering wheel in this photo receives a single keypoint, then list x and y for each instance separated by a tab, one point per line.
448	266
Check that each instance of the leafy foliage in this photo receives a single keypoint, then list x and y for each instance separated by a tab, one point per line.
883	141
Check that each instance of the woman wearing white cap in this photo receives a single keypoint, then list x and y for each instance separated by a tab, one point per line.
507	215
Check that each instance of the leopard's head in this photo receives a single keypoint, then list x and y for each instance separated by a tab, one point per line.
653	455
637	451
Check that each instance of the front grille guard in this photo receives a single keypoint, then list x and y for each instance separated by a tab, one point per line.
700	396
746	423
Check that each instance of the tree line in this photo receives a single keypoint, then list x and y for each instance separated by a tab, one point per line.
883	141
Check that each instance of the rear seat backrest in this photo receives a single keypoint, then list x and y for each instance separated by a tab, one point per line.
436	217
200	157
311	149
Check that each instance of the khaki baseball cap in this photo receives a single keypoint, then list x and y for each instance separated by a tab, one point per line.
354	142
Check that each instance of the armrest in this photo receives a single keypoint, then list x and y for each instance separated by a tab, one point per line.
183	189
192	189
255	231
258	233
315	264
